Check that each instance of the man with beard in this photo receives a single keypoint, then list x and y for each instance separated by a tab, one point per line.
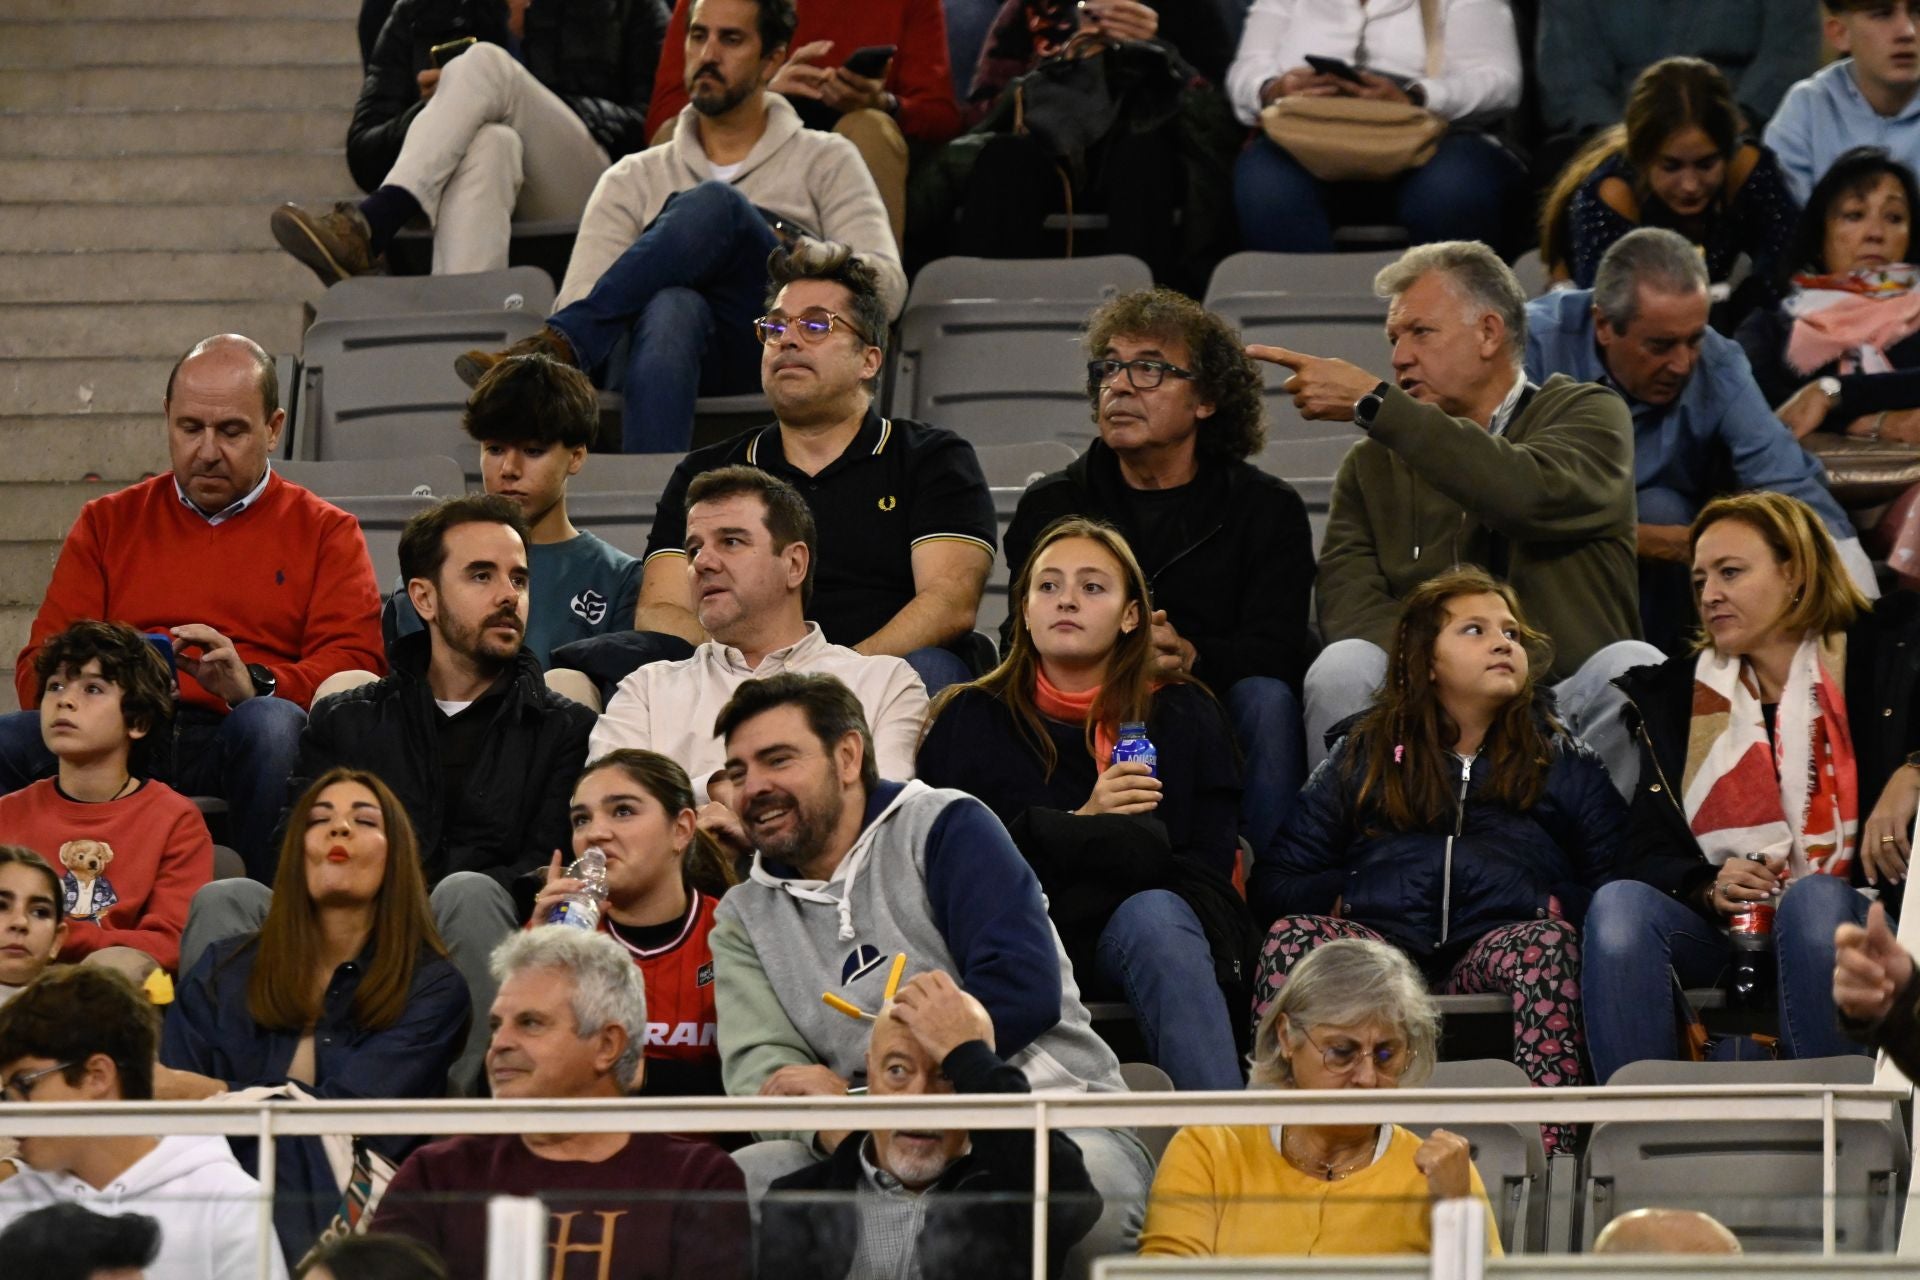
668	271
464	729
852	871
955	1203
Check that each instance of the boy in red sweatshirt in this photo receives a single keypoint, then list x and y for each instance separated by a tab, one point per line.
132	851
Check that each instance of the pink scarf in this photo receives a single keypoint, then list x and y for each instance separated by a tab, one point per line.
1074	708
1852	318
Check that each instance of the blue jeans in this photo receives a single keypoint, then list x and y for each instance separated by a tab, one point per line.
938	668
686	294
244	757
1472	189
1635	933
1155	950
1266	723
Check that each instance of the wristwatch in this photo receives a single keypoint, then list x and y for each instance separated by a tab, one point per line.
264	681
1830	388
1369	404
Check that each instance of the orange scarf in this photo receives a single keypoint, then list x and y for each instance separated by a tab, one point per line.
1074	708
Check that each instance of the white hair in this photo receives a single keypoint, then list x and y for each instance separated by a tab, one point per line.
1478	276
1342	984
607	986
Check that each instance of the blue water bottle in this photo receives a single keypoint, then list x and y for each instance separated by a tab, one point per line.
1135	745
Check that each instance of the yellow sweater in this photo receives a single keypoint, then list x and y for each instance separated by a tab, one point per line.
1225	1190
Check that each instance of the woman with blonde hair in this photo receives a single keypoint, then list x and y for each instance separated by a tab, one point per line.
1777	770
1136	860
1356	1015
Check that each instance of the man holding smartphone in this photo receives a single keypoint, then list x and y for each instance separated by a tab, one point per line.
478	113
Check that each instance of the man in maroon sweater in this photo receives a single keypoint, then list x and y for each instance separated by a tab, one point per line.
571	1022
262	589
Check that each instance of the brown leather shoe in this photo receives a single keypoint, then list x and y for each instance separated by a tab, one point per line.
548	342
336	245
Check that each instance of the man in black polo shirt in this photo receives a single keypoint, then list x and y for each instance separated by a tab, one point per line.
1225	546
905	519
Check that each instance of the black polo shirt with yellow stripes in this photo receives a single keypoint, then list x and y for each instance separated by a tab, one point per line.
898	484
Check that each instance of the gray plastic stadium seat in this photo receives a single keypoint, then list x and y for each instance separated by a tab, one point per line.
1144	1077
432	476
632	473
1087	280
382	517
1349	274
368	297
1532	272
996	372
1510	1157
385	387
1763	1179
1019	465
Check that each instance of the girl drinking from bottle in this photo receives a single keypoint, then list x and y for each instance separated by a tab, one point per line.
1788	735
1457	819
1137	866
664	879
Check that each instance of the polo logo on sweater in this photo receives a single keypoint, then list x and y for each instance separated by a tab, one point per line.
861	961
591	605
279	577
888	503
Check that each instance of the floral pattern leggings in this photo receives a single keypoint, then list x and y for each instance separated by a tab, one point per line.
1537	963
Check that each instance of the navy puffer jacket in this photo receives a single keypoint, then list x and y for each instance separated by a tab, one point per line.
1437	891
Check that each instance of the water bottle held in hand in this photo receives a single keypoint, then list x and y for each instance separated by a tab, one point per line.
1135	745
581	908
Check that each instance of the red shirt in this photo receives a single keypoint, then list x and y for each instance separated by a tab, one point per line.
680	1016
287	580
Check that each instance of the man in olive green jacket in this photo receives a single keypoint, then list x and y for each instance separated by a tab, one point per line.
1466	462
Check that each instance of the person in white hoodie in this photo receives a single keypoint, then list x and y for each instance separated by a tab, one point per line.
84	1034
670	259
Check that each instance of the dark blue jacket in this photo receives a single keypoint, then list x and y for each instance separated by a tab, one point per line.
1435	891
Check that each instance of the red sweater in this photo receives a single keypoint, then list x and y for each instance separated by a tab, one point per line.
131	865
919	77
287	580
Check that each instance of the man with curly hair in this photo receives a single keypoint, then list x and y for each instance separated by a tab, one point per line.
1225	546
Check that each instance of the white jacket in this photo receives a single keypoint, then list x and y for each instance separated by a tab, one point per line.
815	179
208	1207
670	707
1479	72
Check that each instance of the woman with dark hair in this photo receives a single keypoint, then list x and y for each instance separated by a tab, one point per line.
664	878
1125	851
372	1257
345	992
32	918
1678	160
1457	819
1777	770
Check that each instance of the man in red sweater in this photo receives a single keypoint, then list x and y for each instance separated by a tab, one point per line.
910	100
263	589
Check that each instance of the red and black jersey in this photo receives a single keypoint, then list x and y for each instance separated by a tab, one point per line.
682	1051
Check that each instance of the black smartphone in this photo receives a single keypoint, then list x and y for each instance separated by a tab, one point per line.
442	54
871	61
1334	67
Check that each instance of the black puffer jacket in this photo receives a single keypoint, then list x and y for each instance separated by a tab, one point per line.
513	810
597	55
1883	686
1432	893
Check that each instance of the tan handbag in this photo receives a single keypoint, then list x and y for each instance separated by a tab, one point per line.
1359	139
1862	473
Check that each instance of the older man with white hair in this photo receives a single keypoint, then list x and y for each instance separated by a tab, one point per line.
1464	460
570	1021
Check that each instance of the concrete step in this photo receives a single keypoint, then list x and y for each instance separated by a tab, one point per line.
268	177
290	83
31	330
174	227
25	569
110	134
183	41
67	448
83	386
153	277
42	512
16	622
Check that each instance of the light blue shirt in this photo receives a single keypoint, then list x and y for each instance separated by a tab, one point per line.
1826	114
1720	413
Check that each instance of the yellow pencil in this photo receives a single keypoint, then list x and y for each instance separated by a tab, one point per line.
893	979
853	1011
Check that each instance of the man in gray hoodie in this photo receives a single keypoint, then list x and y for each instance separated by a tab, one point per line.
671	257
852	871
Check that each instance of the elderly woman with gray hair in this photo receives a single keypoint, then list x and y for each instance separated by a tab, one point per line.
1355	1015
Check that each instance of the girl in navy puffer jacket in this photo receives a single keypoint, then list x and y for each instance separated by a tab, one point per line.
1458	820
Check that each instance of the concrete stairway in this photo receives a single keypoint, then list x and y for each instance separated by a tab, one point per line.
139	157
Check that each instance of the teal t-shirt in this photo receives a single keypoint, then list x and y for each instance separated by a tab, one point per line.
581	587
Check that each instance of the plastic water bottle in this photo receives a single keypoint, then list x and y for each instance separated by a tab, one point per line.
581	908
1135	745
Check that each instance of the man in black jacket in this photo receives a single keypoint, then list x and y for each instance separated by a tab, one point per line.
960	1201
1225	546
464	729
518	123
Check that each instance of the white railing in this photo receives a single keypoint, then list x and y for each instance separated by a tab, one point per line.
1676	1104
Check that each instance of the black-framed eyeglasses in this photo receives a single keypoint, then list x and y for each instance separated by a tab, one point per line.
1391	1058
812	325
19	1086
1142	375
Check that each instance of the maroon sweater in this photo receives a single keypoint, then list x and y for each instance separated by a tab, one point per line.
662	1207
